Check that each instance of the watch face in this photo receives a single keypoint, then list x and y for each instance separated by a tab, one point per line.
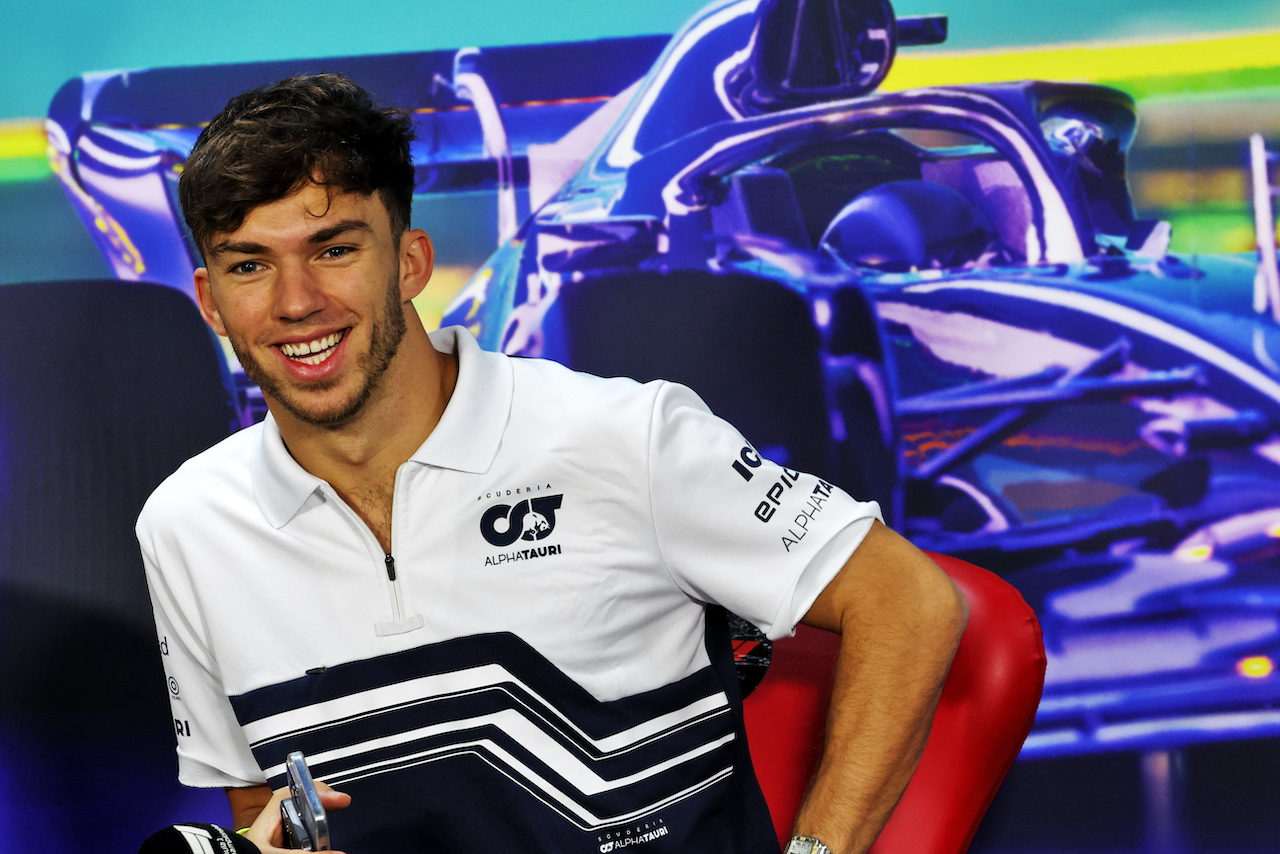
801	845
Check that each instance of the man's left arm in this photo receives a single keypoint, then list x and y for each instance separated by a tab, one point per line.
900	618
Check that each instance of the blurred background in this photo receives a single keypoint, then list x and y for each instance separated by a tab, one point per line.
1205	77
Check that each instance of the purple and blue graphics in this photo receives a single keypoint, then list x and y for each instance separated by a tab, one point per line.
940	298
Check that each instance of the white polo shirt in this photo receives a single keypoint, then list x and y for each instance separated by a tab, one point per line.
538	647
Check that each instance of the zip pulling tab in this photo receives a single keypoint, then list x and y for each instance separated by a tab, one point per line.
399	623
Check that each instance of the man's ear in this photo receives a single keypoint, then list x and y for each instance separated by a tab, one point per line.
204	297
417	260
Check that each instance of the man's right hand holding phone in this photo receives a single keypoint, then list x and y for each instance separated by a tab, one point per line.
267	831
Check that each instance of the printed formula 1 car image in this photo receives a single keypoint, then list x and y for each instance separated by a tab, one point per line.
940	298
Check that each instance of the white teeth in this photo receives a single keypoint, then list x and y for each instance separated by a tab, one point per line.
312	352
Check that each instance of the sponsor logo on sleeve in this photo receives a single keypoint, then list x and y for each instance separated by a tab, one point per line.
773	495
799	527
783	488
747	460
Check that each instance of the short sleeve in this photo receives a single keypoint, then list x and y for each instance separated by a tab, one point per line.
212	750
737	530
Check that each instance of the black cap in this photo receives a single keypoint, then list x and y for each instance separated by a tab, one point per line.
197	838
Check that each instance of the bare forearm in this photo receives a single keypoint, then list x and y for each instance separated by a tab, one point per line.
246	803
899	635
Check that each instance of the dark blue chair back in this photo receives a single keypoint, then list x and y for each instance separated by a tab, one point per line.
105	388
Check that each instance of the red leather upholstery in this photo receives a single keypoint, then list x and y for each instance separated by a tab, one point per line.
984	715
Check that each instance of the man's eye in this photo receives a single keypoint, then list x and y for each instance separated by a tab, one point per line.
337	251
245	268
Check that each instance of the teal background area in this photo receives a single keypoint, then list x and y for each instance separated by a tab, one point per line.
46	44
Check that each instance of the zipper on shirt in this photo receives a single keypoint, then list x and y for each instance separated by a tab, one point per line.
397	605
389	562
399	622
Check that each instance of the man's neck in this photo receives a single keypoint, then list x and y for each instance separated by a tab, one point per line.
359	459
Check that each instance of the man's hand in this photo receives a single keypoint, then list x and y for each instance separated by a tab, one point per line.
900	618
266	831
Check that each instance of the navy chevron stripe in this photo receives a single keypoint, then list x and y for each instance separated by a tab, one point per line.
483	741
605	792
596	718
467	697
495	703
454	711
443	766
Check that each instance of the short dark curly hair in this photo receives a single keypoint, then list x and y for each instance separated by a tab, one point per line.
270	141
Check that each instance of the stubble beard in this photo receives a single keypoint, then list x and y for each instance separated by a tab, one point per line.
386	336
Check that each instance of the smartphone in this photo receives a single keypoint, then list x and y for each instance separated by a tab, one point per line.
305	825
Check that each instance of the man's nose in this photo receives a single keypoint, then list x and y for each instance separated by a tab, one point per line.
298	292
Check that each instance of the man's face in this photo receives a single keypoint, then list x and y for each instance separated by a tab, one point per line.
309	290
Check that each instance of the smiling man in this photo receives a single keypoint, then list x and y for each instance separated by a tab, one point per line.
485	596
277	245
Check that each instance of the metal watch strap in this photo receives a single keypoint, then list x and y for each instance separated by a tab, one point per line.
806	845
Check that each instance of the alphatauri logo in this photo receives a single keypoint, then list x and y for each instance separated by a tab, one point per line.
531	519
636	835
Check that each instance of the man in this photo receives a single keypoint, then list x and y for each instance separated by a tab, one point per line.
483	595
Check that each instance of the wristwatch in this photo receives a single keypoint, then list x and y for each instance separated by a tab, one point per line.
806	845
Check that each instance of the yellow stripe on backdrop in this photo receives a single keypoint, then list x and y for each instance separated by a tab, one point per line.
22	147
22	138
1111	62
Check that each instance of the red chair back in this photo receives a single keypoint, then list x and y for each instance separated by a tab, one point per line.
986	710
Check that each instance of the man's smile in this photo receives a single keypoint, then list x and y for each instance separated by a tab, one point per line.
313	352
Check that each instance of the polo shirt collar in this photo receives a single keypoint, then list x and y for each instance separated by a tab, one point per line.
466	439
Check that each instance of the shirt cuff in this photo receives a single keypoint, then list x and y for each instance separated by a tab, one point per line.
829	560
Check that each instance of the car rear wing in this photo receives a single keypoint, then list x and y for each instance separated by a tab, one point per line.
118	139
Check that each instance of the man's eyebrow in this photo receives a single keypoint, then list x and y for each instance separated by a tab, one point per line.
324	235
228	247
